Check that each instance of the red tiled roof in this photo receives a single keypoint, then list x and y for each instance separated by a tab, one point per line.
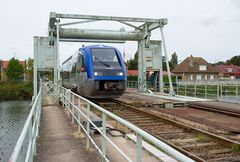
132	72
223	69
5	63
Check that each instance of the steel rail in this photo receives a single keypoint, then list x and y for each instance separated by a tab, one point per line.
140	133
228	112
216	137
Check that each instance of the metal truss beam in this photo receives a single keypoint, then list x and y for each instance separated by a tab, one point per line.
73	33
91	40
107	18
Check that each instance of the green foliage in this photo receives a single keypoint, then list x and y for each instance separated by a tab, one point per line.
15	70
202	138
235	60
132	78
174	60
235	148
133	63
221	63
16	90
29	69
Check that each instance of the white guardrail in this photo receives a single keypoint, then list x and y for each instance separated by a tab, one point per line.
84	108
208	90
78	113
25	147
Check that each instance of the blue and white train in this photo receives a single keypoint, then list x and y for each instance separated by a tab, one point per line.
95	71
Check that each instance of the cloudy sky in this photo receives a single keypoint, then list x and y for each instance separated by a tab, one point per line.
206	28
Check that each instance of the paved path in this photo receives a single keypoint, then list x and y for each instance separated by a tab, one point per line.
58	141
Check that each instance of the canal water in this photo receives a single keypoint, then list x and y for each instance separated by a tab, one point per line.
13	115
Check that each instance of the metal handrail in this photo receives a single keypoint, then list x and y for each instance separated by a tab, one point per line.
68	98
207	90
30	131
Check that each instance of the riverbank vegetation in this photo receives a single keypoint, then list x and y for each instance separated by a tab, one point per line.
16	90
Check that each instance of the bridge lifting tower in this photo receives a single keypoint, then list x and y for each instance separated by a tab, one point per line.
46	49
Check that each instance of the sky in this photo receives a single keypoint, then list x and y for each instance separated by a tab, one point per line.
206	28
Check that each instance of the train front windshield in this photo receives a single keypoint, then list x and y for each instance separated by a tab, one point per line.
106	57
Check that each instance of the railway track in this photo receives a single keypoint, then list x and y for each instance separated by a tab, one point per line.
225	110
195	143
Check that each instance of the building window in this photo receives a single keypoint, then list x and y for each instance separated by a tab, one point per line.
229	70
202	67
211	77
191	77
199	77
206	77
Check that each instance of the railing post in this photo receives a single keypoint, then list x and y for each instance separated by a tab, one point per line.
185	89
69	103
72	108
88	124
221	90
195	89
104	143
236	90
205	91
79	116
37	119
177	84
30	140
64	97
139	148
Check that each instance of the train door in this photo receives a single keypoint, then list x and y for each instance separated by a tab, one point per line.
74	72
81	75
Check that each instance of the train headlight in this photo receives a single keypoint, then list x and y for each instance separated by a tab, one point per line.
119	73
98	73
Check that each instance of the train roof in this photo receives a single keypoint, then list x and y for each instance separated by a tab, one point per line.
96	46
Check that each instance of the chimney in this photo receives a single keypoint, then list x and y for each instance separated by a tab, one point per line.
191	61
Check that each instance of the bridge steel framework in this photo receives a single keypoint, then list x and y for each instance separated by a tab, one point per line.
57	33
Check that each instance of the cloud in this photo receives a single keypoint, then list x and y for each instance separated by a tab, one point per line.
209	20
236	3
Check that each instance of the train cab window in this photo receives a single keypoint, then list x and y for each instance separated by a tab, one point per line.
105	57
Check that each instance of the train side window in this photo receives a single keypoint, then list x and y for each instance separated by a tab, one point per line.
80	65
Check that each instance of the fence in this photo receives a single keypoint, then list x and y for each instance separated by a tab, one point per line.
208	90
80	109
27	138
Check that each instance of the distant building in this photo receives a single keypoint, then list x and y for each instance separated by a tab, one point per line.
195	69
4	65
132	72
228	72
135	73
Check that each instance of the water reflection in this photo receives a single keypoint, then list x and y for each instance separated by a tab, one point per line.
13	115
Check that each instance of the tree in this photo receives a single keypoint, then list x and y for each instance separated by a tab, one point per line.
235	60
133	63
15	70
174	60
29	69
220	63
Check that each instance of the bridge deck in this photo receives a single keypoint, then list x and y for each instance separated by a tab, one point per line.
58	140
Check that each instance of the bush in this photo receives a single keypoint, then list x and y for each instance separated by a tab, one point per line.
16	90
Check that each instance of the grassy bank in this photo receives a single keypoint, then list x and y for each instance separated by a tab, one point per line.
16	90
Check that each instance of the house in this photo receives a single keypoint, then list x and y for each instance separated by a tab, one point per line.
228	72
195	69
4	65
